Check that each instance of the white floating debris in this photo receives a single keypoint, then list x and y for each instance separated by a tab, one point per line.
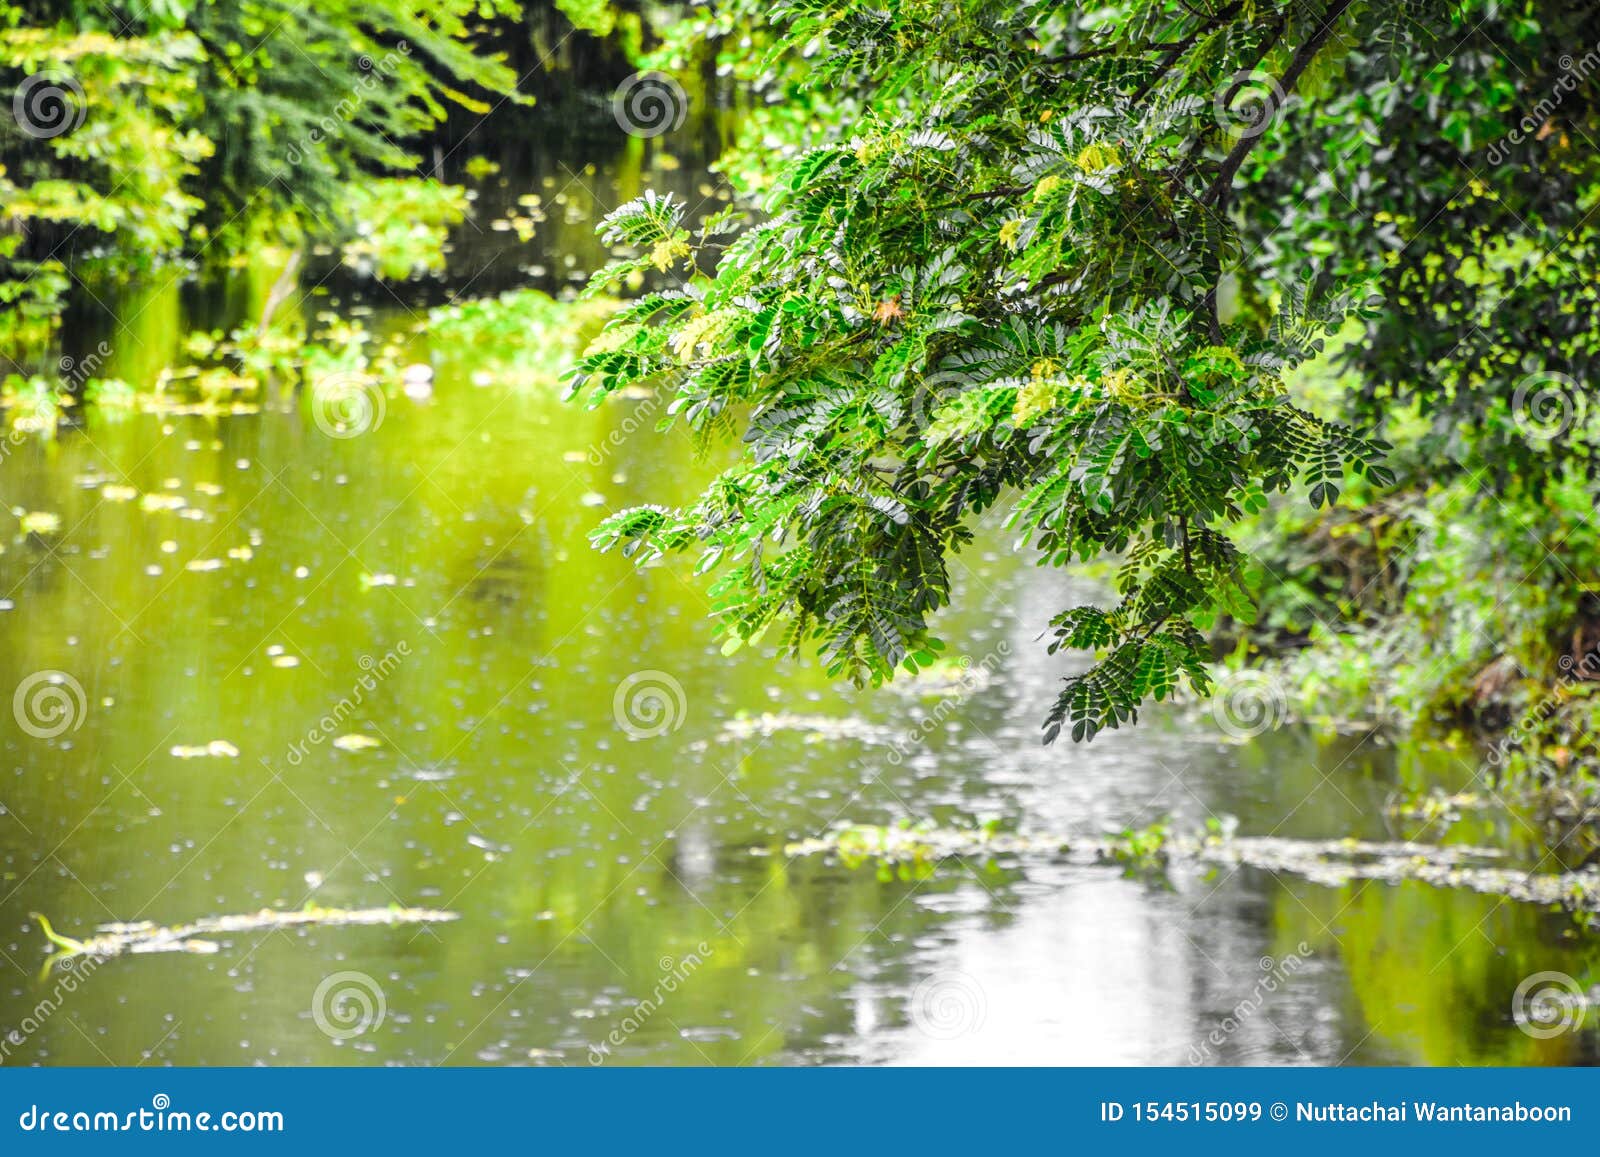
216	749
417	381
356	742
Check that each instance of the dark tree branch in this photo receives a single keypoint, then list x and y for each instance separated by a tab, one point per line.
1179	47
1301	60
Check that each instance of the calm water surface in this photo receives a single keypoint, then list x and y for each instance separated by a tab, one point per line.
428	585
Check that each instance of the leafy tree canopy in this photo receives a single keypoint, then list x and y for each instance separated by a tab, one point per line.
1061	257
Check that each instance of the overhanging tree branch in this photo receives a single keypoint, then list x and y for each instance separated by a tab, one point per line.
1301	60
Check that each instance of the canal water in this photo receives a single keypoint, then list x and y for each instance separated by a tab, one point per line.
257	666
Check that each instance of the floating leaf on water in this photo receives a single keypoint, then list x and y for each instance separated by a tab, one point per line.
356	742
40	522
814	728
117	939
216	749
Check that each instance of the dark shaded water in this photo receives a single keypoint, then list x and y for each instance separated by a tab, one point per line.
427	586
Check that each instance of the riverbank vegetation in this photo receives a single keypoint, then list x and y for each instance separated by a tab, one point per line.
1152	278
1282	306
